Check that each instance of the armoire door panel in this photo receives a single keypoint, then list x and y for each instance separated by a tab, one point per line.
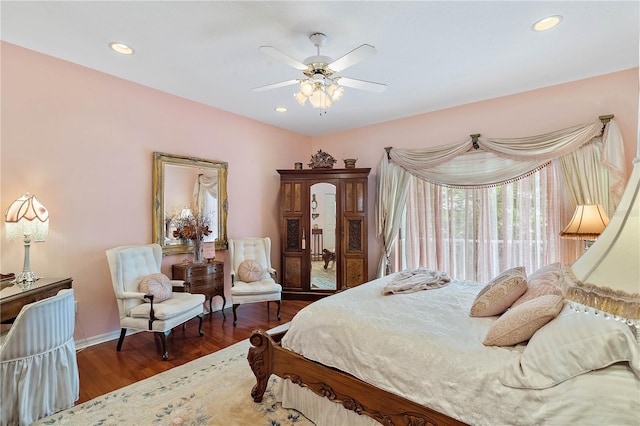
354	236
292	272
354	272
293	234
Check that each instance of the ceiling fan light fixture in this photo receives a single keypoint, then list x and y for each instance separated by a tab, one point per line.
307	88
335	92
320	99
300	97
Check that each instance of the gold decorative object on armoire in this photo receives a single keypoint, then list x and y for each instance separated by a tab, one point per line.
338	216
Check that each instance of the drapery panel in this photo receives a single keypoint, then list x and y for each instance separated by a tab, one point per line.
499	161
205	197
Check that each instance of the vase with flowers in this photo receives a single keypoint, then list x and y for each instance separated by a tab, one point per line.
193	227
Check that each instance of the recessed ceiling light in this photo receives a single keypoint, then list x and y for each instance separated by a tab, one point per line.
281	109
121	48
546	23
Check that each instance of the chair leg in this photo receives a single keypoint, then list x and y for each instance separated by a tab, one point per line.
163	339
235	316
122	334
200	326
279	304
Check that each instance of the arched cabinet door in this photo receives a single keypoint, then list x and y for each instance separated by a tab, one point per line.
315	247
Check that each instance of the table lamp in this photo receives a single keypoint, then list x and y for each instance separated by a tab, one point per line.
587	223
26	217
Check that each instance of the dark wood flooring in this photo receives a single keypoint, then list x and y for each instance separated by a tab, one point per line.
103	369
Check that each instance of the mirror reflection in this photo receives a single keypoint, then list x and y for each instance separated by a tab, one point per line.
323	236
189	191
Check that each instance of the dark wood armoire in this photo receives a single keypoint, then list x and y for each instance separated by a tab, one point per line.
340	248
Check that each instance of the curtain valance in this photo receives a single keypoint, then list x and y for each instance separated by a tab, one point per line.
497	161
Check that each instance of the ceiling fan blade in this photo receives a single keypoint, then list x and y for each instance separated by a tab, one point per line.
275	53
275	85
356	56
369	86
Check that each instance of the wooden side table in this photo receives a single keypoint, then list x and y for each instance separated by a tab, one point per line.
202	278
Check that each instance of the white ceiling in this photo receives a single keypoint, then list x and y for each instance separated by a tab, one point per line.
432	55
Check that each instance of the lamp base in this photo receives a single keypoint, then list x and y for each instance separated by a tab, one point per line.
25	279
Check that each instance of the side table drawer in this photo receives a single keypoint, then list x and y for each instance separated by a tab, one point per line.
202	271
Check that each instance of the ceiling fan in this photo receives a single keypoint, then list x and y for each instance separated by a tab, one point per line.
321	86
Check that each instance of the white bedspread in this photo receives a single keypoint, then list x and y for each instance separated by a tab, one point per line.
425	347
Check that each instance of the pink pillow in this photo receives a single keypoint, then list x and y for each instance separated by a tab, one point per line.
250	271
545	280
519	324
157	285
500	293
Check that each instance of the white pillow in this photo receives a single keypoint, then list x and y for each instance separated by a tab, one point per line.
520	323
573	343
500	293
157	285
250	271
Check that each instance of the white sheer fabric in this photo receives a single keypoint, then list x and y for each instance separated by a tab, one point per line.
393	185
205	197
499	161
38	367
477	233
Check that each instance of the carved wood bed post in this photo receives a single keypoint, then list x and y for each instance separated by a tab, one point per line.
259	358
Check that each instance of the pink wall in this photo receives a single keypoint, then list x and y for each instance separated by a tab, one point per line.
82	141
524	114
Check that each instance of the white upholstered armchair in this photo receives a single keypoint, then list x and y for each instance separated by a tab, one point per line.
252	277
38	367
130	265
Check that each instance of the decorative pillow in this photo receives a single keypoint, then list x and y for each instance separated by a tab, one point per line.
519	324
157	285
545	280
500	293
250	271
574	343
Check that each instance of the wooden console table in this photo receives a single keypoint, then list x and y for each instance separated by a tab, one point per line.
202	278
13	298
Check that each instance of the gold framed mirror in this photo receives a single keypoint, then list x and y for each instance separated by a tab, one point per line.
188	184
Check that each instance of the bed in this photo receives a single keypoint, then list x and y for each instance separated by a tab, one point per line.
361	357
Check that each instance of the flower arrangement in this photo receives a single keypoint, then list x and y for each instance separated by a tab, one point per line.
190	226
194	227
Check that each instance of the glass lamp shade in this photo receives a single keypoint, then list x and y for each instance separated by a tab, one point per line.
302	99
319	99
307	88
26	216
587	223
335	92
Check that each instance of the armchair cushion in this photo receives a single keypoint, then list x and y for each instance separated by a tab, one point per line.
177	305
250	271
158	285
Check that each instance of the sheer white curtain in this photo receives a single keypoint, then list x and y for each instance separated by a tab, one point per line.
205	197
482	207
477	233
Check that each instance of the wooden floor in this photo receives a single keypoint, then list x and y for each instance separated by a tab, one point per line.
103	369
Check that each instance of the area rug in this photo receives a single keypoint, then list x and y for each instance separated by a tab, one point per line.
212	390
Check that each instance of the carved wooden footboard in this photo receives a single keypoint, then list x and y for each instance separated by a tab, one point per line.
267	357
